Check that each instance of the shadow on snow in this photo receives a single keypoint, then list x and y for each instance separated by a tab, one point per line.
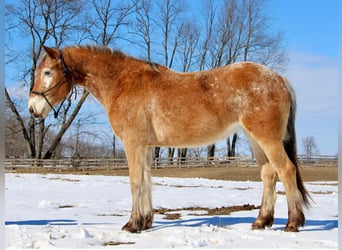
57	222
220	221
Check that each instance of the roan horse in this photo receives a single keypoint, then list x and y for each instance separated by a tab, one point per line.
150	105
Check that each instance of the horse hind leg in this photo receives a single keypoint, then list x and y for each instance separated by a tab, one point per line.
287	173
269	178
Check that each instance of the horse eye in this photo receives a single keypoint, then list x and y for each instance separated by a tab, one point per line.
47	73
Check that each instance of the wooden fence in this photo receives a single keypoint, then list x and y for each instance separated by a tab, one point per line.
103	163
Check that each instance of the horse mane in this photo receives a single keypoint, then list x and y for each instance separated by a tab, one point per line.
102	49
119	54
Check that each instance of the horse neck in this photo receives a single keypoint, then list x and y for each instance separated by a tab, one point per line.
95	71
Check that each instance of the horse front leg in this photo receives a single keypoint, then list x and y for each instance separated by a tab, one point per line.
139	159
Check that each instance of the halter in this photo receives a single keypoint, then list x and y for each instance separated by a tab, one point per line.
71	85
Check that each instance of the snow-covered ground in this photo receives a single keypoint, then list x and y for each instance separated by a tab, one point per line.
74	211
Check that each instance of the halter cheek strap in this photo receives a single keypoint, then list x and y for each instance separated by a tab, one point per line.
55	112
66	71
71	86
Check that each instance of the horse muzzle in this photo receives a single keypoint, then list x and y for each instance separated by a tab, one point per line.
38	107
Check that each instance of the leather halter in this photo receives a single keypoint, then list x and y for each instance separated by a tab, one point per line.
71	85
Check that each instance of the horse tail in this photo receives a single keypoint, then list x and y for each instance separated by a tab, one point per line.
290	144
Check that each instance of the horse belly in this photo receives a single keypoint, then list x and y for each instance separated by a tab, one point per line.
171	135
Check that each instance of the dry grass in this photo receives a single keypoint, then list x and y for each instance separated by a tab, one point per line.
66	206
117	243
318	173
171	214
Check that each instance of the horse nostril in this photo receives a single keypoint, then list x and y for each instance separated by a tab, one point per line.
31	110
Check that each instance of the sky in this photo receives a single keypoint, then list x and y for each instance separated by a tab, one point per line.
311	33
310	30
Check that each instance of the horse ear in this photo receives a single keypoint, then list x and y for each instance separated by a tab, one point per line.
53	53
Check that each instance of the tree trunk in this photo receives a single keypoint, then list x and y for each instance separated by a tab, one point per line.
182	155
231	146
114	146
235	137
29	139
211	151
171	152
41	128
49	153
156	155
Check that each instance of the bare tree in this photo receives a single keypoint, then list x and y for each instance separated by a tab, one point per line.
189	44
166	21
143	25
309	146
169	12
258	44
105	27
189	35
171	30
14	143
240	34
20	122
209	12
47	21
66	123
233	30
182	154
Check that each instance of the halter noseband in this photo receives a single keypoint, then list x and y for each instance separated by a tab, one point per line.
71	85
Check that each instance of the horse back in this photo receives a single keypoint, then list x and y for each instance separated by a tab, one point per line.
199	108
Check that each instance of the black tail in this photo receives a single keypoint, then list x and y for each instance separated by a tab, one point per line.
290	145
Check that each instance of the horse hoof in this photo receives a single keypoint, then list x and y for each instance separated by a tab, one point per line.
129	227
138	226
262	222
257	226
291	229
294	222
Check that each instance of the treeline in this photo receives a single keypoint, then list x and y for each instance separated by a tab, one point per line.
181	35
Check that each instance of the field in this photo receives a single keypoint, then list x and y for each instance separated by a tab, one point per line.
88	211
245	173
209	207
316	173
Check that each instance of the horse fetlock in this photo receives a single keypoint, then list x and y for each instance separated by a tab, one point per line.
295	220
290	227
263	221
129	227
139	224
257	225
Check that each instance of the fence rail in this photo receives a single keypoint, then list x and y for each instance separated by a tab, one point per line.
111	164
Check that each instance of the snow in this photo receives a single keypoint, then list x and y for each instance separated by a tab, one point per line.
80	211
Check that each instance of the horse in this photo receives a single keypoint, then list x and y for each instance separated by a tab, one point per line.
150	105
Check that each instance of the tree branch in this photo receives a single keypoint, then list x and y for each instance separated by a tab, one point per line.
65	126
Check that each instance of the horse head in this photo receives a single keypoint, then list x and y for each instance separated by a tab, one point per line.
53	82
